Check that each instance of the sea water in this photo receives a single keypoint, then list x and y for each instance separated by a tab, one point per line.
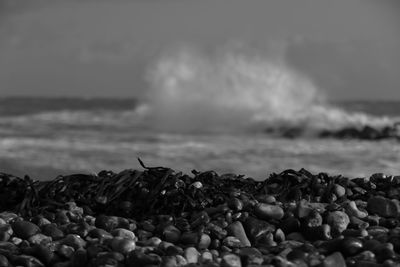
47	137
198	111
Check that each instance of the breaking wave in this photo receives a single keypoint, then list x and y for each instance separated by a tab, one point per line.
194	90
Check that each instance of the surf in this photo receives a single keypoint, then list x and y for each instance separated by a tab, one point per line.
235	90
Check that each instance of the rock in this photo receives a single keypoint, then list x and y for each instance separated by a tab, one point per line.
181	261
148	226
352	210
25	229
255	228
4	261
79	258
339	190
100	234
235	204
125	233
40	239
334	260
190	238
206	257
174	250
338	221
52	231
290	225
137	258
216	231
383	207
6	232
232	242
266	240
151	242
122	245
191	255
74	241
251	256
109	259
143	235
236	229
171	234
8	217
82	229
65	251
231	260
62	217
322	232
313	219
169	261
268	211
27	261
107	223
204	242
351	246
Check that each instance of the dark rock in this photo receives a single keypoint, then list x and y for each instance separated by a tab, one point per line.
322	232
74	241
216	231
99	233
171	234
231	260
334	260
107	223
137	258
42	252
236	229
190	238
125	233
4	261
65	251
5	232
383	207
25	229
122	245
268	211
255	228
53	231
27	261
143	235
290	225
251	256
79	258
235	204
313	219
351	246
232	242
338	221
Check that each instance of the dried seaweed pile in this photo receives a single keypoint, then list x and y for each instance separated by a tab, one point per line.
159	190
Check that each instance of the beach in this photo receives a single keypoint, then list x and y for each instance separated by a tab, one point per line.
156	216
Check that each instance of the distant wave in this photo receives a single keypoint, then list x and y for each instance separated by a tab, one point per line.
79	117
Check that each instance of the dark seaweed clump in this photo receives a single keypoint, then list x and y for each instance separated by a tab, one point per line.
160	217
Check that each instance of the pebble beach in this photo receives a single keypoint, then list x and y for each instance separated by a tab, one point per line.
160	217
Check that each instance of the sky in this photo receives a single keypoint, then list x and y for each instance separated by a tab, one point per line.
349	49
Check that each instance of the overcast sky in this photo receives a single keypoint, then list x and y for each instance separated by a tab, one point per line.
350	49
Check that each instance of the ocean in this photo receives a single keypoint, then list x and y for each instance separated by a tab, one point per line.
46	137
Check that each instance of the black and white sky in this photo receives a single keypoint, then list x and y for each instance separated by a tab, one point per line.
349	49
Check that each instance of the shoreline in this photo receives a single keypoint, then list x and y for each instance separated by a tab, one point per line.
159	217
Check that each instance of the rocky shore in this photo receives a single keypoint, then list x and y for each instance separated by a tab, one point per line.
159	217
365	133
